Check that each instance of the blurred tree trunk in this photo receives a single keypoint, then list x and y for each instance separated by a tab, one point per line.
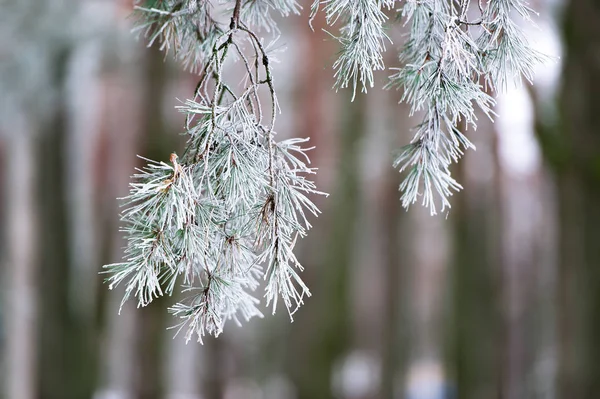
67	357
573	151
122	115
133	365
80	161
319	336
157	145
20	319
54	267
181	363
396	231
214	378
391	342
522	207
571	286
475	277
327	341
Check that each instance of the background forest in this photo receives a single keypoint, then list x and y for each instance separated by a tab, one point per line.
498	299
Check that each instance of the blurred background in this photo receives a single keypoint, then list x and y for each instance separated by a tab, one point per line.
498	299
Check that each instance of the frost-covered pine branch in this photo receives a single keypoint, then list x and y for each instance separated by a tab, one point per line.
449	62
230	210
362	39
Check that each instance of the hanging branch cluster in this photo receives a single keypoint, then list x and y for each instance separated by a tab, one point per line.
448	60
362	38
232	208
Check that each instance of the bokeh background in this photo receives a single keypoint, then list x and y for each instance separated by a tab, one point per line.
499	298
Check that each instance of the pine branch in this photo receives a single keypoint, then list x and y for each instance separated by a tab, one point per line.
235	200
238	199
447	61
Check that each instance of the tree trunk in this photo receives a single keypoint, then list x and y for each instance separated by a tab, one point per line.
578	179
21	310
157	145
67	361
392	342
476	279
327	339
